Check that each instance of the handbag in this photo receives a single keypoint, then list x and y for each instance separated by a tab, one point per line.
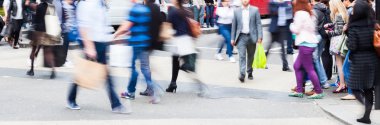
52	35
183	45
376	41
344	48
194	28
336	44
166	31
260	59
89	74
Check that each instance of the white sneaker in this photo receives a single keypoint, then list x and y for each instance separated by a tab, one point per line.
326	86
219	57
232	60
68	64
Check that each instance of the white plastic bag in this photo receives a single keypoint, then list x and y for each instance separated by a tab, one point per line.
120	56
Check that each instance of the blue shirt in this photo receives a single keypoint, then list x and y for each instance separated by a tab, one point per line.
140	17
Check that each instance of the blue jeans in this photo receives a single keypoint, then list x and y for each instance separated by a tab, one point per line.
317	63
210	15
199	14
101	49
225	31
142	54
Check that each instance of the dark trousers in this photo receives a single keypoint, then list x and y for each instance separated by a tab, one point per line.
210	15
17	24
327	60
66	44
365	97
101	49
280	38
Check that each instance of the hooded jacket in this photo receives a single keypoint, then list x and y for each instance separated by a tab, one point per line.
321	13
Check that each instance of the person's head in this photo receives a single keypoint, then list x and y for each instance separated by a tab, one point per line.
245	2
337	7
362	11
225	3
69	1
178	3
347	3
326	2
302	5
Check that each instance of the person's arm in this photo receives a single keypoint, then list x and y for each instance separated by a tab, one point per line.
84	23
338	30
125	26
6	4
259	27
233	29
296	26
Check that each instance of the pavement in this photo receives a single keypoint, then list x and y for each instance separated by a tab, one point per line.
38	100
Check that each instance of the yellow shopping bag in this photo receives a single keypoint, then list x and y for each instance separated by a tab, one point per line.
260	59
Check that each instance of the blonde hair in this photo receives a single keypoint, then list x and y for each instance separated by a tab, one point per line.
337	7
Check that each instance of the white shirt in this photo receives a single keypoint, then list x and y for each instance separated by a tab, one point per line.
18	16
226	15
246	20
91	14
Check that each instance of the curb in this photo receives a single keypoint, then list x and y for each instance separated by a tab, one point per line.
332	115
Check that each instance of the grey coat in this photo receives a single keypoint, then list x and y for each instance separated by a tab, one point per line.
255	29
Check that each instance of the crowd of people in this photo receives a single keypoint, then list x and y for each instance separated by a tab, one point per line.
324	30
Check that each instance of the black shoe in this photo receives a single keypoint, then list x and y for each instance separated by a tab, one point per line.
172	88
127	95
290	53
30	73
250	76
287	69
147	92
52	76
241	78
364	120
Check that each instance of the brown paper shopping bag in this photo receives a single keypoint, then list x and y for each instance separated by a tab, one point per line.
89	74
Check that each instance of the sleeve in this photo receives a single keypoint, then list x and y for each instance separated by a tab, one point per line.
352	41
273	8
84	14
297	23
258	25
234	25
6	5
338	27
132	17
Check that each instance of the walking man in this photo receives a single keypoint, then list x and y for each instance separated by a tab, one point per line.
14	11
246	32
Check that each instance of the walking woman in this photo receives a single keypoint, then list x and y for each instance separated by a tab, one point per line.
339	18
183	39
225	16
365	64
39	26
305	29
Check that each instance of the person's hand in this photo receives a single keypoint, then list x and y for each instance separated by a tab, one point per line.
326	26
27	2
260	41
90	52
233	42
5	19
345	28
327	31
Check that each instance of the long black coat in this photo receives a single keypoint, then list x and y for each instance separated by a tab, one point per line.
365	64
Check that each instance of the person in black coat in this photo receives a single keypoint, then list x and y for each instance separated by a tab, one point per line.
365	64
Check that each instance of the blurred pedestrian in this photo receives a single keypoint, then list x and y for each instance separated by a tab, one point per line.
327	58
279	10
246	32
210	6
185	46
138	23
43	40
14	11
334	30
322	18
306	39
365	66
199	11
93	28
225	16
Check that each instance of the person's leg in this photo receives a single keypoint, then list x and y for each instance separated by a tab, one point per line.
221	30
16	32
72	93
309	68
318	65
251	48
242	48
212	16
50	59
201	15
145	67
134	74
175	69
226	33
282	38
368	94
208	15
101	50
274	38
196	13
327	60
66	44
299	72
339	63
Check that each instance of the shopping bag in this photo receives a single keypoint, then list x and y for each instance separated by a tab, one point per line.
183	45
89	74
52	23
346	66
260	59
120	56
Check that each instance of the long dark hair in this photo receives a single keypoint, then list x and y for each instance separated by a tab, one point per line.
363	14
